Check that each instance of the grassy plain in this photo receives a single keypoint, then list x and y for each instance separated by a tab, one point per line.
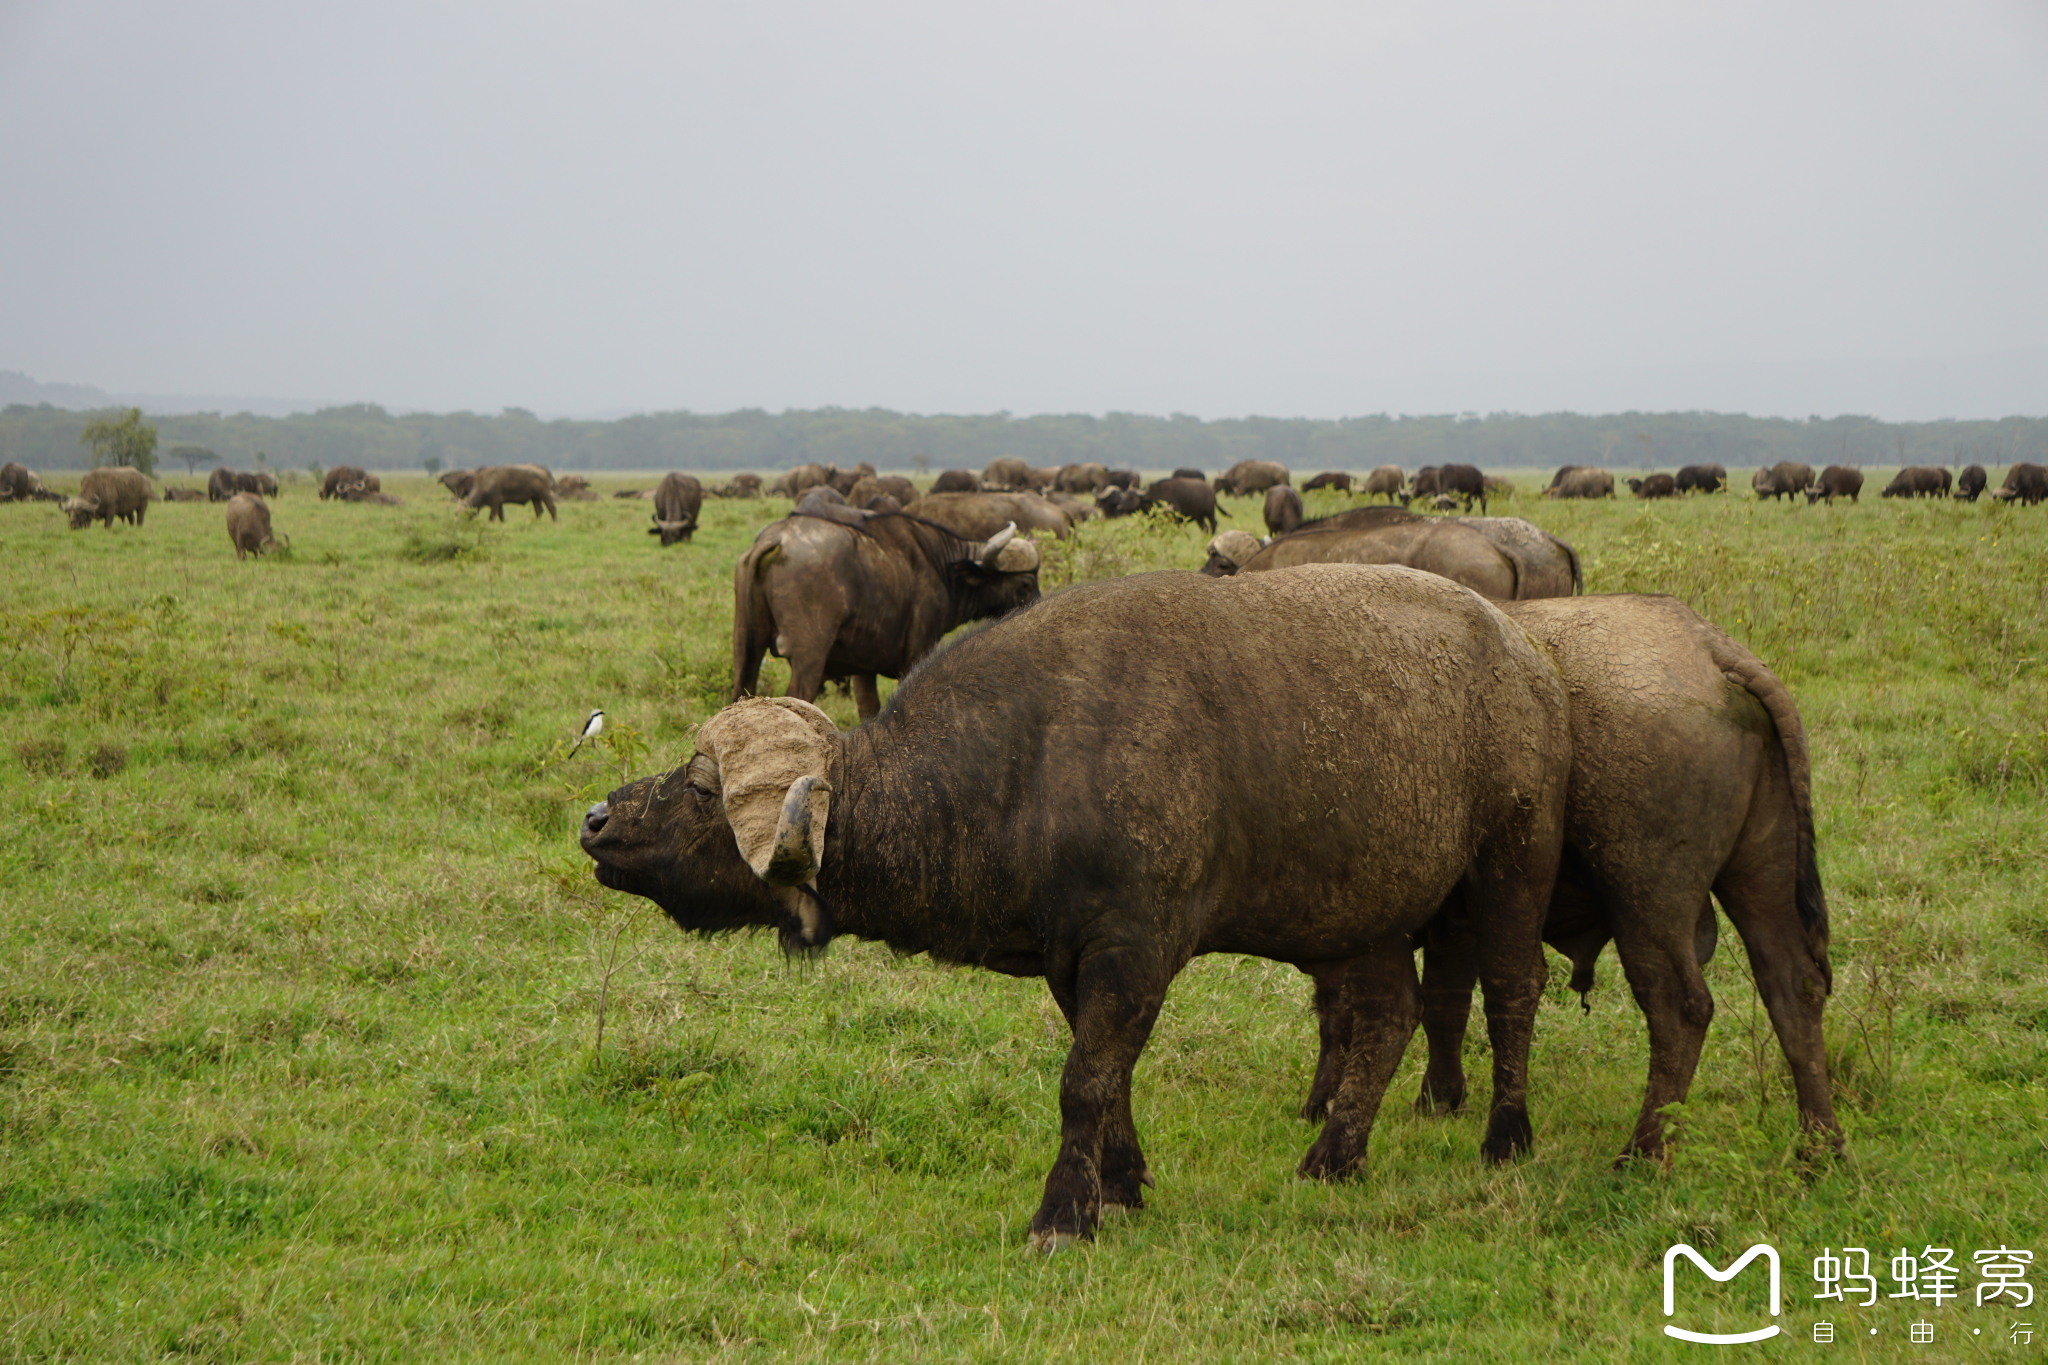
302	979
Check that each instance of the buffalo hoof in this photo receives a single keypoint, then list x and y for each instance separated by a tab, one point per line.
1507	1136
1126	1190
1440	1101
1051	1240
1332	1156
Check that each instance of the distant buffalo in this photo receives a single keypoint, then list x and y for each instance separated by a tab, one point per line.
1918	481
1387	481
1655	486
1702	478
1082	478
105	494
800	480
742	486
2024	483
459	482
1283	509
1785	479
249	525
1007	476
956	481
1184	472
1836	481
1331	479
873	486
1424	484
1124	478
351	484
1187	499
497	485
1970	483
1579	481
677	500
17	484
223	483
978	516
1250	476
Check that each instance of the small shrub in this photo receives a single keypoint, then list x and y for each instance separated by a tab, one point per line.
107	760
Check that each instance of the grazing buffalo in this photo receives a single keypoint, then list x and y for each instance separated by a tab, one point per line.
1249	476
105	494
1785	479
677	500
1970	483
1918	481
17	484
1283	509
1444	548
977	516
1187	499
866	597
1388	481
1655	486
574	488
497	485
1082	478
249	525
1329	479
1008	475
1689	777
742	486
1836	481
1124	478
2024	483
223	483
1365	741
1702	478
800	480
1184	472
1579	481
843	480
459	482
1564	471
1424	485
873	486
956	481
350	484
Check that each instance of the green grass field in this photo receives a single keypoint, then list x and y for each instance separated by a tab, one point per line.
318	1041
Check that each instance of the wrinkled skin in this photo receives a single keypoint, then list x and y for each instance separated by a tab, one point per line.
1283	510
1368	739
1329	479
1836	481
1248	476
977	516
1702	478
496	485
1921	481
105	494
677	500
1970	484
860	595
1689	777
249	525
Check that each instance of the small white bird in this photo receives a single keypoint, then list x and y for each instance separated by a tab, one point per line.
591	728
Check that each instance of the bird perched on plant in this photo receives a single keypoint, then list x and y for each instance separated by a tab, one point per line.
591	728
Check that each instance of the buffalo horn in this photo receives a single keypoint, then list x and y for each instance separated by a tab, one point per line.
996	543
800	835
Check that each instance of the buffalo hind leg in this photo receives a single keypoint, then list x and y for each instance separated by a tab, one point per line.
1507	893
1378	995
867	699
1116	995
1660	957
1450	969
1333	1040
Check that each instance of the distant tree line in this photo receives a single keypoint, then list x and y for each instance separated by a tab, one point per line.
44	437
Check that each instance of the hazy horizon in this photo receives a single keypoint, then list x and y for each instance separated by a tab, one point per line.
1296	209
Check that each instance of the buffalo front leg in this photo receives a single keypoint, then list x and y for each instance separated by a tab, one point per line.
1377	994
1116	997
1124	1175
867	699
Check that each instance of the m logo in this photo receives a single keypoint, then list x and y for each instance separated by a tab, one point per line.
1769	1253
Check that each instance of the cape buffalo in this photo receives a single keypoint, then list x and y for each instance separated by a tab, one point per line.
1445	548
1579	481
105	494
1970	483
1464	482
1249	476
221	484
458	482
1543	565
978	516
1082	478
1184	472
872	486
249	525
2025	483
1702	478
1424	484
1654	486
1388	480
1007	476
867	596
1564	471
956	481
1785	479
184	495
1187	499
17	484
843	480
1689	777
1299	766
345	479
497	485
677	500
742	486
1918	481
1836	481
1124	478
1329	479
1283	509
800	480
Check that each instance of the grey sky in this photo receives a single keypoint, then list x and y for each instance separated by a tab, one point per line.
1218	208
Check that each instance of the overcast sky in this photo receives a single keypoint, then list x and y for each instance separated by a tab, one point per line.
1218	208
